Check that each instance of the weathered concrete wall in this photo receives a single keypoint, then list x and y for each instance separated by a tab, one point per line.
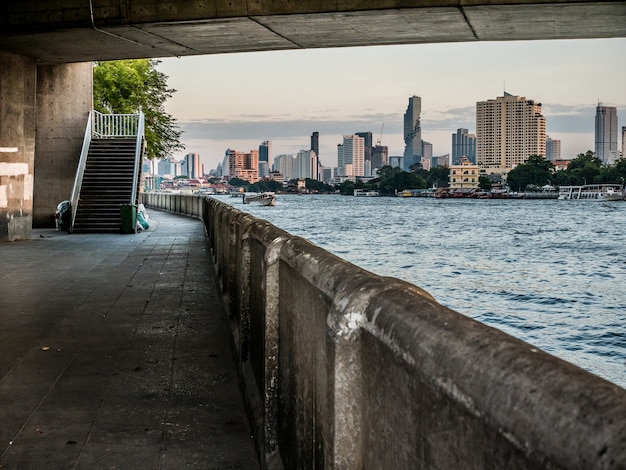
18	76
64	99
346	369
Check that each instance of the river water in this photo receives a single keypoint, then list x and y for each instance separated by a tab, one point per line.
549	272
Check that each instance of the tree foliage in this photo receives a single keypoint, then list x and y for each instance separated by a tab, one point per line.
536	171
130	86
394	179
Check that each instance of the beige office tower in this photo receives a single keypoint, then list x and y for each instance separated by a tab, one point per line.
509	129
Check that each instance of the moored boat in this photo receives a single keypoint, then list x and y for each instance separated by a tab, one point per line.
593	192
366	193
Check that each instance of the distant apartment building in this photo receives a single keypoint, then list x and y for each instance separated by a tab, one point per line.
509	129
264	169
315	143
193	166
265	151
276	176
464	175
367	145
463	145
327	175
351	156
427	150
169	167
286	165
553	149
623	141
306	165
606	133
380	157
440	160
412	132
242	165
396	161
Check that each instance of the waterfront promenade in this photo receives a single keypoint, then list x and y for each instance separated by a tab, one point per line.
114	353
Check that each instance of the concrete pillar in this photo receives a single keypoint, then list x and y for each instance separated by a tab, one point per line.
64	99
18	76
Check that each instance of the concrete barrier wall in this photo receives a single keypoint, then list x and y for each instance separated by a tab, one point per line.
345	369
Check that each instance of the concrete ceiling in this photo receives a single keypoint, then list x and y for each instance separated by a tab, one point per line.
59	31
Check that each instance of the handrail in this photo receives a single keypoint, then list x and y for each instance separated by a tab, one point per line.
138	153
78	180
115	125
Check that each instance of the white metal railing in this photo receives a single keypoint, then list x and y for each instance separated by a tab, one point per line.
140	142
115	125
78	181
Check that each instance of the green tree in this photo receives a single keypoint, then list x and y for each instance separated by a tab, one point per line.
484	183
584	169
238	182
439	177
536	170
347	187
130	86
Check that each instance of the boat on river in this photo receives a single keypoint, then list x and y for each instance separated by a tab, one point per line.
366	193
265	199
593	192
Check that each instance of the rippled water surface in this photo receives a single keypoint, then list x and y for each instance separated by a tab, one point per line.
549	272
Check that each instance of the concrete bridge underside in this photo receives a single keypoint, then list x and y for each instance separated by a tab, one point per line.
46	47
85	30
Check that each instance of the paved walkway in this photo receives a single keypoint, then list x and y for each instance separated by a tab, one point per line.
114	354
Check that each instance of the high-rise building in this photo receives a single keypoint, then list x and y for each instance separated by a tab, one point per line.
350	156
306	165
265	151
193	165
412	132
315	143
286	166
367	145
463	145
509	129
553	149
606	133
623	141
244	166
380	157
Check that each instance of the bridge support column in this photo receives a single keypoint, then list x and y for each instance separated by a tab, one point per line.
64	99
43	113
18	76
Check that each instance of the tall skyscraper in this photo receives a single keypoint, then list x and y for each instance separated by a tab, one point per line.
509	129
286	166
623	141
553	149
193	165
380	157
306	164
606	133
463	145
367	145
315	143
265	151
350	156
412	132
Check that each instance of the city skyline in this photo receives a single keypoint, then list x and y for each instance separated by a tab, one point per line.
220	104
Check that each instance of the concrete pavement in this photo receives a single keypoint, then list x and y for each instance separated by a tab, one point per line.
114	353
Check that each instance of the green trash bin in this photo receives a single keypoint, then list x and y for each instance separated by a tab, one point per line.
128	217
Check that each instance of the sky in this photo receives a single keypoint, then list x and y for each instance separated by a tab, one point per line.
239	100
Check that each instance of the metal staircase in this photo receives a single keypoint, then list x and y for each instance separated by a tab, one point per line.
108	173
